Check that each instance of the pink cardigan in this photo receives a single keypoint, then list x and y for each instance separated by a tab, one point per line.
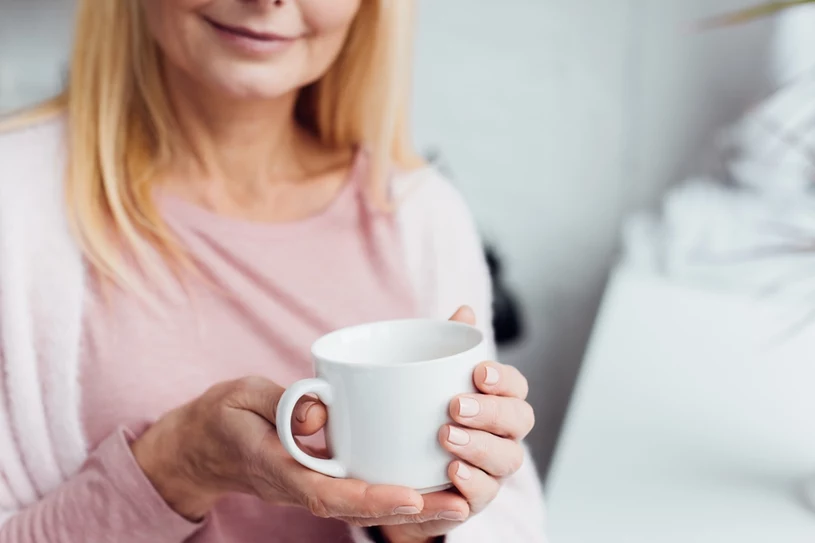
42	443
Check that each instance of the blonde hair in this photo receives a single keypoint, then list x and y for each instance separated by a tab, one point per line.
120	123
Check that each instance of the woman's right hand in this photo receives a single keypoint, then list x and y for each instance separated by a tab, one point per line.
225	441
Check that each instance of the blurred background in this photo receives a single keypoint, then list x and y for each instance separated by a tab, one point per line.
602	144
556	119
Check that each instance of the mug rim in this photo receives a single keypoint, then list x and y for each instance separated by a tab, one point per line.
325	359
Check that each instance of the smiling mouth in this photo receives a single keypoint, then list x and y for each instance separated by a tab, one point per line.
247	33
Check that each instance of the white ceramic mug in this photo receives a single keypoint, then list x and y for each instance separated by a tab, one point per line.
388	388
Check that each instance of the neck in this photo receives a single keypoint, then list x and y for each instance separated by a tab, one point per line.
232	141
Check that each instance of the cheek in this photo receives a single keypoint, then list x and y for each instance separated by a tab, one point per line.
325	15
328	22
175	27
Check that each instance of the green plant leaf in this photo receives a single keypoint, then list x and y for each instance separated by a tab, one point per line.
753	13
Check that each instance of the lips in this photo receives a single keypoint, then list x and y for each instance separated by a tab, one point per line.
247	33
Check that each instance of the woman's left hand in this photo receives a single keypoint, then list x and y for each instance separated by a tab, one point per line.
485	438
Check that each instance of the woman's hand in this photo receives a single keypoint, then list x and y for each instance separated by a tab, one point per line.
486	439
225	441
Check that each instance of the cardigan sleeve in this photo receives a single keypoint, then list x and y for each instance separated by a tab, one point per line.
109	499
41	285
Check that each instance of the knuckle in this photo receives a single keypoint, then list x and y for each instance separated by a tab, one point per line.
521	389
516	461
216	390
493	413
216	418
524	388
417	519
481	452
368	507
504	469
531	423
485	500
245	384
317	507
527	414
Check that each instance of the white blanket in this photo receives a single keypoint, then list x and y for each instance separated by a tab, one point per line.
729	238
754	227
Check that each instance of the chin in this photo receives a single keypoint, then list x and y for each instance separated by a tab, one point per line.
255	83
255	91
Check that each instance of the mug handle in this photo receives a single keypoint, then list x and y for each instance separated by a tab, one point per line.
285	410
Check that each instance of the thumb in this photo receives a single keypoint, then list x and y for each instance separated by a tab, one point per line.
464	314
262	397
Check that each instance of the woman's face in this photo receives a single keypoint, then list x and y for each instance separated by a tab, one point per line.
250	49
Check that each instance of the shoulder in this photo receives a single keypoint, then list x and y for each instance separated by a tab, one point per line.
424	198
32	156
26	141
425	185
443	249
32	174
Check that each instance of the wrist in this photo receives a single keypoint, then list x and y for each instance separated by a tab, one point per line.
161	463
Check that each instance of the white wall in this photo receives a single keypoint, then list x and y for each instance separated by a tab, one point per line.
555	116
34	47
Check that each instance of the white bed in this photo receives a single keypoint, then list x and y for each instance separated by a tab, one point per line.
692	421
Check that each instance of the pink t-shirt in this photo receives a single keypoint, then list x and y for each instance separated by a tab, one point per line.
267	291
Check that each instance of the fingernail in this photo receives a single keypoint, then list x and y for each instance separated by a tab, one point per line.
468	407
406	510
491	378
301	413
463	472
457	436
451	515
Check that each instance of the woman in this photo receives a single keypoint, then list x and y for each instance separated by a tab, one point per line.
223	182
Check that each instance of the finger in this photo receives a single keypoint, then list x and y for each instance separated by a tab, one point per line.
371	522
447	506
497	456
262	396
476	486
504	417
309	417
464	314
330	498
256	394
500	380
